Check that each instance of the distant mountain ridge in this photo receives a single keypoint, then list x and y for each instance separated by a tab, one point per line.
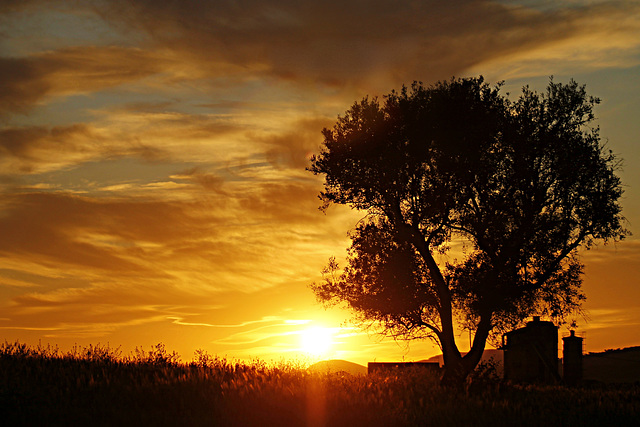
610	366
334	366
620	365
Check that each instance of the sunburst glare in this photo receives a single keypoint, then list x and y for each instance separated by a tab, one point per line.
316	341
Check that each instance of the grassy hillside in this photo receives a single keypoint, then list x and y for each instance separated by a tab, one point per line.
97	386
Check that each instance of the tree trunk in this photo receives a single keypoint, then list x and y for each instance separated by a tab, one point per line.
457	367
454	372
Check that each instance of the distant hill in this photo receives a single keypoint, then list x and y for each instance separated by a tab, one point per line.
335	366
613	366
610	366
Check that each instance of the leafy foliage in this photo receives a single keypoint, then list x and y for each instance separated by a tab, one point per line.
521	185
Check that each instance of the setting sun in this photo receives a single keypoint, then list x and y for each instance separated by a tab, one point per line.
316	341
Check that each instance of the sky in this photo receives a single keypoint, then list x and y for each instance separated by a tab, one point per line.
152	160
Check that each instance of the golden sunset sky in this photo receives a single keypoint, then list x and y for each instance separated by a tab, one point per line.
153	153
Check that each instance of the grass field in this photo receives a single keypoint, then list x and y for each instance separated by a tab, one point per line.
99	386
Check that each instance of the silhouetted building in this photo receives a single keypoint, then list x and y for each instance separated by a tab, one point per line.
531	353
572	359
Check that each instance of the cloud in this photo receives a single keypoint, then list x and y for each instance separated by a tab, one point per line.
27	81
208	181
39	148
327	48
627	250
95	309
605	318
370	44
180	321
8	6
92	238
235	222
155	137
211	239
600	36
293	148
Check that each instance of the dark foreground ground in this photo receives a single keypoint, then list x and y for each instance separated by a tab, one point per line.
96	386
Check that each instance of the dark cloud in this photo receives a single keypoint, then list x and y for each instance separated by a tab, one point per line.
28	148
368	46
60	230
208	181
37	149
370	43
286	203
21	84
8	6
293	147
25	81
22	142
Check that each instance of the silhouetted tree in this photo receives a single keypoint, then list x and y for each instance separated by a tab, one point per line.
516	187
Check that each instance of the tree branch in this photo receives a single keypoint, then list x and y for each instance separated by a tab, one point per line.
474	355
556	262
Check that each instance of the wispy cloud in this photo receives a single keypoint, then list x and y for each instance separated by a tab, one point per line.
605	318
266	319
592	37
374	45
27	81
626	250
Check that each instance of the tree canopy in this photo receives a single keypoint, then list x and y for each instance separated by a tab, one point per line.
476	208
